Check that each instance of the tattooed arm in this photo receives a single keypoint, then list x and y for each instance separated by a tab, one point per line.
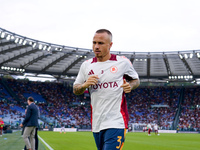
79	89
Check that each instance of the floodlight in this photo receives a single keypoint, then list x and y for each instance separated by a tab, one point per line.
181	57
191	55
12	37
20	41
40	46
8	37
49	48
24	43
16	40
45	47
34	45
198	55
2	34
186	56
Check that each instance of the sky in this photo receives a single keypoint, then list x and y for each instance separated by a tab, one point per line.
136	25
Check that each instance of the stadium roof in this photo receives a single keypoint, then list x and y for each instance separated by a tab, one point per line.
20	55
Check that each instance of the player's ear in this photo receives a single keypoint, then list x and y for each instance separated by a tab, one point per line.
111	43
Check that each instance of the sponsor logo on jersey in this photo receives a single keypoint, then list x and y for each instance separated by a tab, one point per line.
105	85
91	72
113	69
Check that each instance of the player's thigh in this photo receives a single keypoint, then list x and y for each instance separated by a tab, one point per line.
114	139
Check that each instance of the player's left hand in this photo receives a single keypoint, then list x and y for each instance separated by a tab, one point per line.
126	86
21	125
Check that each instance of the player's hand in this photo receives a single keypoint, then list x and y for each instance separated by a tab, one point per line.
21	125
126	86
92	80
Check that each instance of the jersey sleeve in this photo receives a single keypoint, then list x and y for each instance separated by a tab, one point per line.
130	72
80	79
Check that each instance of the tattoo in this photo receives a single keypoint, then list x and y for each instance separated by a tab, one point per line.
134	83
78	89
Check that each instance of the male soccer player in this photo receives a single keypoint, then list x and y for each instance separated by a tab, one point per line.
1	126
62	129
149	129
108	77
156	129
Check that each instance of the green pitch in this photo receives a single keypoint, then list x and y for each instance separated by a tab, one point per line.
134	141
85	141
14	141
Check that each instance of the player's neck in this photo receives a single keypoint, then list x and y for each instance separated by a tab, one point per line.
104	58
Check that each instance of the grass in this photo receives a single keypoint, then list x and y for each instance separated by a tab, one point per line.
85	141
14	141
134	141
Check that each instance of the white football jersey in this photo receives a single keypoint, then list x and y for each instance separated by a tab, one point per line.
108	104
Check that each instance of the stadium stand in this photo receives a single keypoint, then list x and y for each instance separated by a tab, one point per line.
168	79
59	106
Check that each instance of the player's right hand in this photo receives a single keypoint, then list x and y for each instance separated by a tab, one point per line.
92	80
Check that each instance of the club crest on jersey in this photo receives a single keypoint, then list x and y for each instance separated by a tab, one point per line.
91	72
113	69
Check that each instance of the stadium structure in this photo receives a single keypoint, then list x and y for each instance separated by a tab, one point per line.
21	55
162	95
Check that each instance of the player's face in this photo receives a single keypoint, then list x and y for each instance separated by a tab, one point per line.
101	46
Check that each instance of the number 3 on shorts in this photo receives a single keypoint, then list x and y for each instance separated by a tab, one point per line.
120	142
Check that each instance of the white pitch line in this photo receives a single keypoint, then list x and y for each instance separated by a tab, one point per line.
45	143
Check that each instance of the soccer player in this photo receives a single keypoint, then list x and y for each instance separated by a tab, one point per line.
108	77
156	129
62	129
1	126
149	129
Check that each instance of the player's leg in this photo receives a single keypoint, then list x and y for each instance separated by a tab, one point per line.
149	132
97	137
114	139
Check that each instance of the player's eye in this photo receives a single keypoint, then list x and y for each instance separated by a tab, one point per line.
100	43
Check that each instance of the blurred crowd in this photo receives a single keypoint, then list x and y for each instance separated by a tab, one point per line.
59	106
